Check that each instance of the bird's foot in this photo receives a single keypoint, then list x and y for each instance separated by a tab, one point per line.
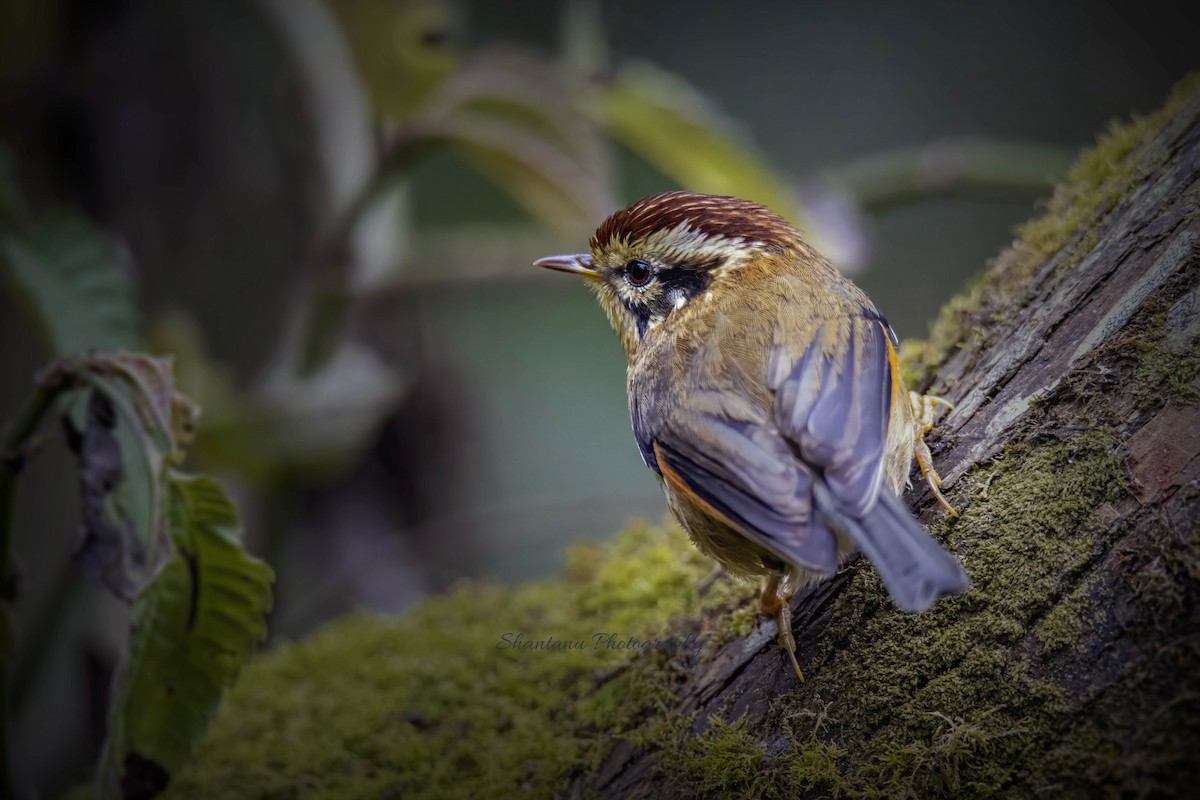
924	408
776	600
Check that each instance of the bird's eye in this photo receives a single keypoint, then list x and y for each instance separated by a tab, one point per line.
638	273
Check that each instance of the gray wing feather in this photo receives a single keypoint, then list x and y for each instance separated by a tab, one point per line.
836	410
748	474
914	567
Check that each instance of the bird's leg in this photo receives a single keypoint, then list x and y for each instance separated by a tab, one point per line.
776	600
924	408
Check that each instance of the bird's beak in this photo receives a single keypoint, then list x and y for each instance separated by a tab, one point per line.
580	264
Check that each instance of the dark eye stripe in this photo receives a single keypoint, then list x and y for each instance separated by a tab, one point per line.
669	285
682	281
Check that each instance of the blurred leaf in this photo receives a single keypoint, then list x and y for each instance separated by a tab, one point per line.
402	48
193	629
164	416
290	425
199	600
509	84
518	123
380	239
673	127
987	167
115	551
170	543
541	178
338	112
318	423
72	284
133	424
295	426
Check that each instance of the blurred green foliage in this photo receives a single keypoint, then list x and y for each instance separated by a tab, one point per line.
168	542
542	129
193	627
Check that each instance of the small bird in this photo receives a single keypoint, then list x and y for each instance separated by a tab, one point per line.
766	396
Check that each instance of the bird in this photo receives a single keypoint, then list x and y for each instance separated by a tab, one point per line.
766	396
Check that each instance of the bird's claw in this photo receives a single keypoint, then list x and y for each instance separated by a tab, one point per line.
924	408
776	600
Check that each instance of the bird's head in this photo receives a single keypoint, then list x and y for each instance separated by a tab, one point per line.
652	259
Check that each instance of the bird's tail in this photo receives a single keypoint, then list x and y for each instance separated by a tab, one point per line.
915	569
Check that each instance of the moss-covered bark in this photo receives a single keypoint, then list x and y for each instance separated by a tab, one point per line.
1071	668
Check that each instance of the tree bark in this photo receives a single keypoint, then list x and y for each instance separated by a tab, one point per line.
1072	667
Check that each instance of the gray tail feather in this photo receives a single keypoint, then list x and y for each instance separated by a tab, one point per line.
915	569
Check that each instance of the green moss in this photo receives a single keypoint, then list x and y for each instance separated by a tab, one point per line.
1061	627
426	705
945	704
1094	185
742	620
944	765
814	768
1163	374
725	759
814	765
1141	733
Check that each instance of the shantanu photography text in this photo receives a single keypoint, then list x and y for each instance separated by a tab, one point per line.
597	642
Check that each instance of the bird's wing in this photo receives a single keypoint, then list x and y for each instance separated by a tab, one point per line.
723	454
833	402
754	468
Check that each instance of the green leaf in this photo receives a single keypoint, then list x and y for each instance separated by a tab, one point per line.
72	284
518	122
540	177
128	424
674	128
119	548
193	628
